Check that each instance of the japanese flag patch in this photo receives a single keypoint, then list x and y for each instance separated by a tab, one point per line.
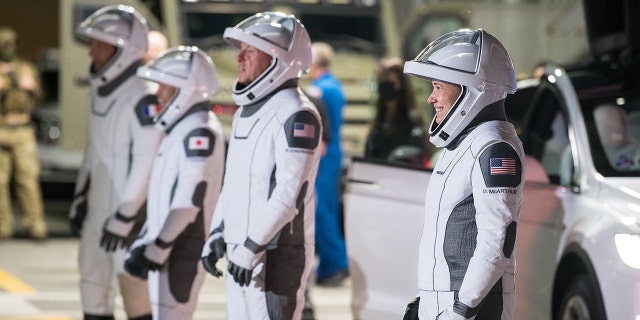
199	143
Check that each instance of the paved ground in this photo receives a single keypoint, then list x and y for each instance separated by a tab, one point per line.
39	280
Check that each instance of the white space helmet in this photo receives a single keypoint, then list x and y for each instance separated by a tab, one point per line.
284	38
478	62
121	26
189	70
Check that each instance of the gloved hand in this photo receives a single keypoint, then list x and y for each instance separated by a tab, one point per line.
241	276
117	232
78	214
411	312
145	258
242	261
137	264
214	250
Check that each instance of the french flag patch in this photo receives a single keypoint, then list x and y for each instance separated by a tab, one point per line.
198	143
304	130
151	110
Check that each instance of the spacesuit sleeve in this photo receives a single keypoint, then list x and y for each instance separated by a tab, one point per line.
191	188
497	193
82	180
144	143
296	158
218	216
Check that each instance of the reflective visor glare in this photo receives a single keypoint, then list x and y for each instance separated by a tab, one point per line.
273	27
463	37
176	63
109	16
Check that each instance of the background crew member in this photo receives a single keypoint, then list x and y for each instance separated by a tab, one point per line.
398	125
19	90
332	252
158	43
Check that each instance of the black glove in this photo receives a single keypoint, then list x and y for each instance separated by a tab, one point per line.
78	214
111	241
118	232
411	313
240	275
138	265
242	260
217	248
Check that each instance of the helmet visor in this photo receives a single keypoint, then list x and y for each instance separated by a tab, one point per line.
112	25
173	64
458	50
274	27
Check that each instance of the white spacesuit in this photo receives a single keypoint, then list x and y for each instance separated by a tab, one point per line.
266	208
184	186
467	260
114	175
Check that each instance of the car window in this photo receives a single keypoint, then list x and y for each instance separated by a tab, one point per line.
544	130
614	132
517	105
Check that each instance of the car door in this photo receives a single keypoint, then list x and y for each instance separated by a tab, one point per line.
544	130
384	215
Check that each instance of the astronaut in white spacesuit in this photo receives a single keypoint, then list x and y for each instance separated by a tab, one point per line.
265	213
466	258
185	182
113	178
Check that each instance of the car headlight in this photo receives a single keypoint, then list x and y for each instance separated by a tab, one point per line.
627	245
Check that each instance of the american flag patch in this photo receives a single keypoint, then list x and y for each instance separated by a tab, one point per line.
151	110
304	130
505	166
198	143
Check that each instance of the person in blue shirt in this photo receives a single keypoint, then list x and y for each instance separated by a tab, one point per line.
333	267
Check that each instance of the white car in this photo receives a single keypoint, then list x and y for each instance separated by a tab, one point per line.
578	240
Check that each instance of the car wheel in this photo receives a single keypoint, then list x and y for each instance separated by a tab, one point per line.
581	301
